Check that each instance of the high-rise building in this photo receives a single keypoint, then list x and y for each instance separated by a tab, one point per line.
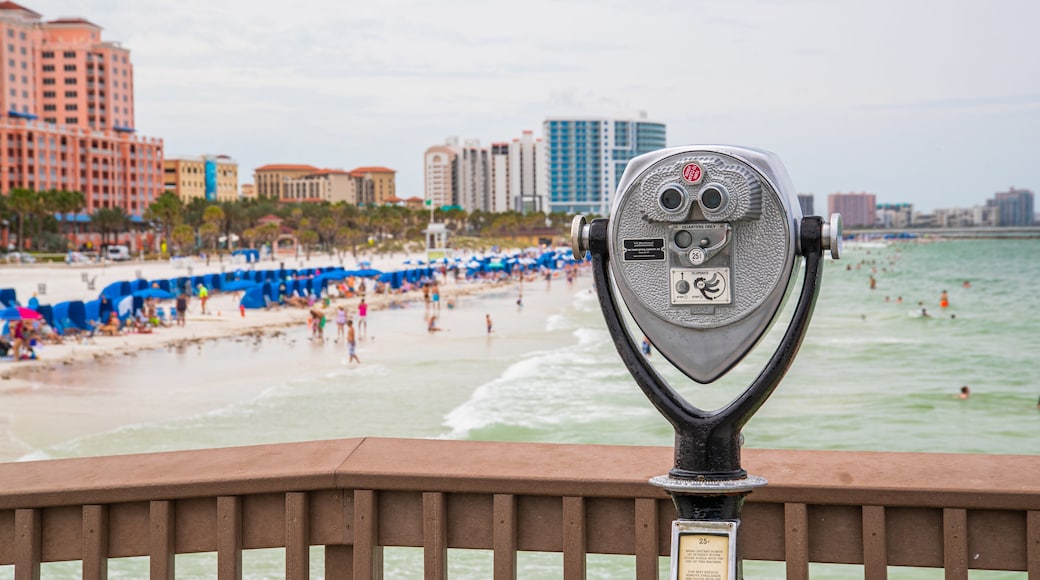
587	156
528	184
1014	207
211	177
66	97
506	176
439	167
856	209
499	178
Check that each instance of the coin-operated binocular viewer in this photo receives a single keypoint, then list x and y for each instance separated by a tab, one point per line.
702	247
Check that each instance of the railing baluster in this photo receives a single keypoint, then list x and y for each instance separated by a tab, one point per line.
796	540
574	547
435	536
162	538
297	535
368	554
955	543
648	547
1033	545
229	537
339	562
28	541
875	547
95	542
504	536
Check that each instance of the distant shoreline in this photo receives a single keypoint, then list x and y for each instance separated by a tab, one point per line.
896	234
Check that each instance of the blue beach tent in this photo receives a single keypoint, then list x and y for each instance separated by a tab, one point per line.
92	313
253	297
116	289
47	312
71	314
8	297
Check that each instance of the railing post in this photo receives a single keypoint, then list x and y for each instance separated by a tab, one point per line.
435	536
229	538
504	536
648	540
28	541
955	543
574	541
875	543
95	542
796	540
162	538
1033	544
368	554
297	535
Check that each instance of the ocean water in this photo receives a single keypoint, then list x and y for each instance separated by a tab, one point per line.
872	374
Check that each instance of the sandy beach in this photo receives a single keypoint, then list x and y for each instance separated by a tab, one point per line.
69	282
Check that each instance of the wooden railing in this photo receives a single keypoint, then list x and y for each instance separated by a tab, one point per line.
356	496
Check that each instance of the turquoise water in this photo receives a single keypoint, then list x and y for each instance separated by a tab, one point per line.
873	374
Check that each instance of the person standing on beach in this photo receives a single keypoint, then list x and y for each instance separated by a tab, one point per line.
362	312
944	300
182	307
341	323
352	343
487	317
203	296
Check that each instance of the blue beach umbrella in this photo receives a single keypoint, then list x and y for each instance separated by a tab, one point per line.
154	293
236	285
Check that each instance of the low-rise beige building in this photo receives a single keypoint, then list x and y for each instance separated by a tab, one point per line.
211	177
330	185
270	179
377	185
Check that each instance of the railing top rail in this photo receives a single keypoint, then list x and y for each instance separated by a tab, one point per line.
818	477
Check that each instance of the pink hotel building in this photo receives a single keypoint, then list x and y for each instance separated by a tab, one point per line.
67	114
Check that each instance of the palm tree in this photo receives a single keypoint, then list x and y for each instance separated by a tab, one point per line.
213	221
183	237
110	220
165	209
327	228
22	202
307	239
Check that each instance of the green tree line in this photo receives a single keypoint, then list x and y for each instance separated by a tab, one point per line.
200	224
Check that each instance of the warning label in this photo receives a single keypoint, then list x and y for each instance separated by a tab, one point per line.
644	249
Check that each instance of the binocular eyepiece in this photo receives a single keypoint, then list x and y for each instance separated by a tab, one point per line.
704	243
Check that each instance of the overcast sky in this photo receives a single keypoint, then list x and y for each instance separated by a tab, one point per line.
935	103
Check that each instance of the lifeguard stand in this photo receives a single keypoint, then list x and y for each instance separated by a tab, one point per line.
436	241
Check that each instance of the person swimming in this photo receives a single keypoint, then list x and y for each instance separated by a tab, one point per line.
965	392
944	300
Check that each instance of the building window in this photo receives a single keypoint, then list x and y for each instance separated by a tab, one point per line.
70	80
71	107
48	81
69	54
71	120
70	68
70	94
49	94
47	54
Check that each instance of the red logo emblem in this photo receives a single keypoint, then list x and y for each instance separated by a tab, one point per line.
692	172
